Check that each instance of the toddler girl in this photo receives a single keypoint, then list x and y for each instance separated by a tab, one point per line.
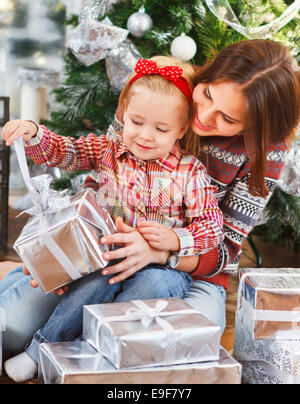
142	174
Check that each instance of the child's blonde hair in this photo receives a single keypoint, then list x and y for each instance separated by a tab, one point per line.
158	83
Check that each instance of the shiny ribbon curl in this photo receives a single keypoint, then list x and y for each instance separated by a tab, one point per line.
222	10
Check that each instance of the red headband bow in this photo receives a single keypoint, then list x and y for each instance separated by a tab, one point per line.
171	73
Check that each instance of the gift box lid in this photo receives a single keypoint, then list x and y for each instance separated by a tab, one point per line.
126	328
77	208
273	279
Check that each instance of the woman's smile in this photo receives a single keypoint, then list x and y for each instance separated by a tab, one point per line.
200	125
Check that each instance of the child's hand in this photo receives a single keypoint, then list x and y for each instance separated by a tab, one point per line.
12	130
159	236
34	284
137	253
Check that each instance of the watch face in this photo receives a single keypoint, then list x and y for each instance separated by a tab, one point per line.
174	261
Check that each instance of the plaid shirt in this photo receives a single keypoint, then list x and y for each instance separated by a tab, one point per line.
173	190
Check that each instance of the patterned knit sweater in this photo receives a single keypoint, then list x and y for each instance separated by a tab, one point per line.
229	168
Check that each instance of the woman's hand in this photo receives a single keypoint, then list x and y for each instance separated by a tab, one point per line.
33	284
12	130
136	251
159	236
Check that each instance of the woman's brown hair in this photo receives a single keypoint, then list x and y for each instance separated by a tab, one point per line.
267	75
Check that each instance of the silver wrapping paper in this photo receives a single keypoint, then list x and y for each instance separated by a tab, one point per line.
120	63
266	361
79	363
271	299
93	9
76	231
129	343
93	40
96	9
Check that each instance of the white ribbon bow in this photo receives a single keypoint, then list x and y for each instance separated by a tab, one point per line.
145	313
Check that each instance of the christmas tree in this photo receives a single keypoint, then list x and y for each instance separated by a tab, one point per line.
88	97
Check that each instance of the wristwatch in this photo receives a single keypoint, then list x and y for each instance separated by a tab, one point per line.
173	260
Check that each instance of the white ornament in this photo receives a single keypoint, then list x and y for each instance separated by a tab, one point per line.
184	47
139	23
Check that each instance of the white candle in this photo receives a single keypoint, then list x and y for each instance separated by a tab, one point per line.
33	103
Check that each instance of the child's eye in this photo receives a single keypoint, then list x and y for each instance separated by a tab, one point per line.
136	122
162	130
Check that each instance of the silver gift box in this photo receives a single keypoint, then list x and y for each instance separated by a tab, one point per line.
79	363
176	334
76	229
271	300
266	361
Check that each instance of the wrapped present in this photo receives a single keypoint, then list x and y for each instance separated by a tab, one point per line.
64	245
79	363
269	303
266	361
2	328
61	242
150	333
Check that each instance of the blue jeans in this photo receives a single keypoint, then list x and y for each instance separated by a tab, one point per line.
65	324
28	309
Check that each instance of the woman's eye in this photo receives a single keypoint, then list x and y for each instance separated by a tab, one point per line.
207	94
227	120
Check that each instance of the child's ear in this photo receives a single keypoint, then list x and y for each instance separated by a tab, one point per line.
124	109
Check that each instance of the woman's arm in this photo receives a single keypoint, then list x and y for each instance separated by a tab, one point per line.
241	212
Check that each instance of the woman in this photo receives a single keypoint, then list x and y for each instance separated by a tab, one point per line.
246	110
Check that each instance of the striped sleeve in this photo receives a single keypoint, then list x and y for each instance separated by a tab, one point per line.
205	219
66	152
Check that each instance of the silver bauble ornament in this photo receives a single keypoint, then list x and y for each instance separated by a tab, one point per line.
139	23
